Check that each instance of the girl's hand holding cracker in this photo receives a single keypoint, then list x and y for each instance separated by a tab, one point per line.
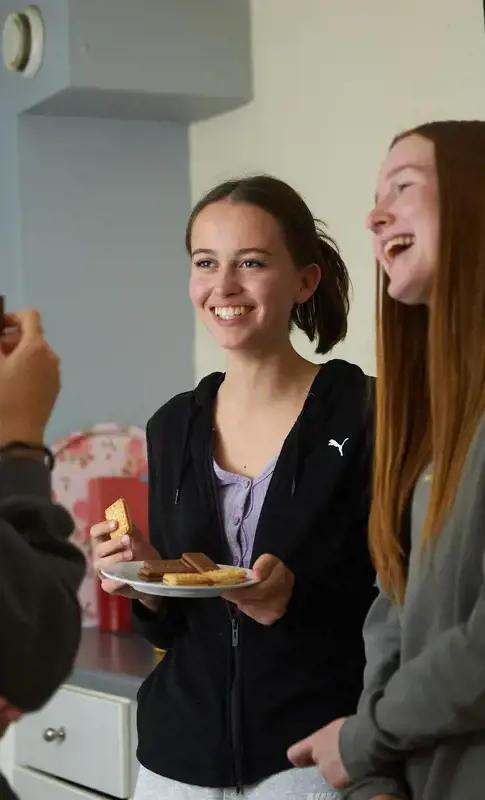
109	548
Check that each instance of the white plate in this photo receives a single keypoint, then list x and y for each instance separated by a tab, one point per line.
128	574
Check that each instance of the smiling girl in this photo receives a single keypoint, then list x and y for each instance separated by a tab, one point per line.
264	466
420	728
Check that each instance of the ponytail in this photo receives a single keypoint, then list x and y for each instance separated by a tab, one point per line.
323	317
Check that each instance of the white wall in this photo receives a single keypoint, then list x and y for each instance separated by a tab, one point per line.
334	81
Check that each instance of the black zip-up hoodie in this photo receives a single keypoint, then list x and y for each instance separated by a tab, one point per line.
231	695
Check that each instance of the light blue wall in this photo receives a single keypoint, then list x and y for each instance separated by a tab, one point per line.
103	209
16	94
10	277
94	190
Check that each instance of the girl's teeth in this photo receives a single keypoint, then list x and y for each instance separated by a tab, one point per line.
397	245
228	312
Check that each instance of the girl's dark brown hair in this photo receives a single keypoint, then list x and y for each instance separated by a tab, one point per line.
323	318
431	361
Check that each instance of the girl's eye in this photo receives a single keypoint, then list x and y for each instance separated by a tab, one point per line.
402	186
252	264
204	263
249	263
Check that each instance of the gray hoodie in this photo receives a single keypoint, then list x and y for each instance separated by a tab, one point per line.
419	731
40	573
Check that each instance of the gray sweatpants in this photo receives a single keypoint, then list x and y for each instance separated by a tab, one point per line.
293	784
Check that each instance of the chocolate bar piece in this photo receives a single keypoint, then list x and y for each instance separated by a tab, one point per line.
156	569
199	562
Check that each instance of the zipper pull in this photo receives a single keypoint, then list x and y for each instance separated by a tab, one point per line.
235	631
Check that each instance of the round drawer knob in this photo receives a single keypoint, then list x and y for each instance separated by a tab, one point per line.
53	735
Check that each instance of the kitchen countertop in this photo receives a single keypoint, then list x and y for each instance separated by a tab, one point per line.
112	663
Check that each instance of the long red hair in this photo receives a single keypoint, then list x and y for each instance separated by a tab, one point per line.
431	361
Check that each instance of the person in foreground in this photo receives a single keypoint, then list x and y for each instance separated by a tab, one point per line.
266	465
420	727
40	572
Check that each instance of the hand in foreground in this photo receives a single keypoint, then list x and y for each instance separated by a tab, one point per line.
267	602
108	551
321	750
29	379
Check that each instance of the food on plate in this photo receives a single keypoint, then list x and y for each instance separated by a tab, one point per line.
118	512
199	562
155	570
226	576
223	576
192	569
187	579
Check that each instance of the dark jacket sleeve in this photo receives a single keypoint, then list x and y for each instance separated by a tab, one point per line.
162	627
40	573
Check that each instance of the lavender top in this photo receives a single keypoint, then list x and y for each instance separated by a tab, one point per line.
240	502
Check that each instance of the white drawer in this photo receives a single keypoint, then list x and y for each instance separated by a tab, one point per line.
96	751
34	786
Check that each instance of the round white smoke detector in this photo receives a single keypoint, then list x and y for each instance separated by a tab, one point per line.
23	41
